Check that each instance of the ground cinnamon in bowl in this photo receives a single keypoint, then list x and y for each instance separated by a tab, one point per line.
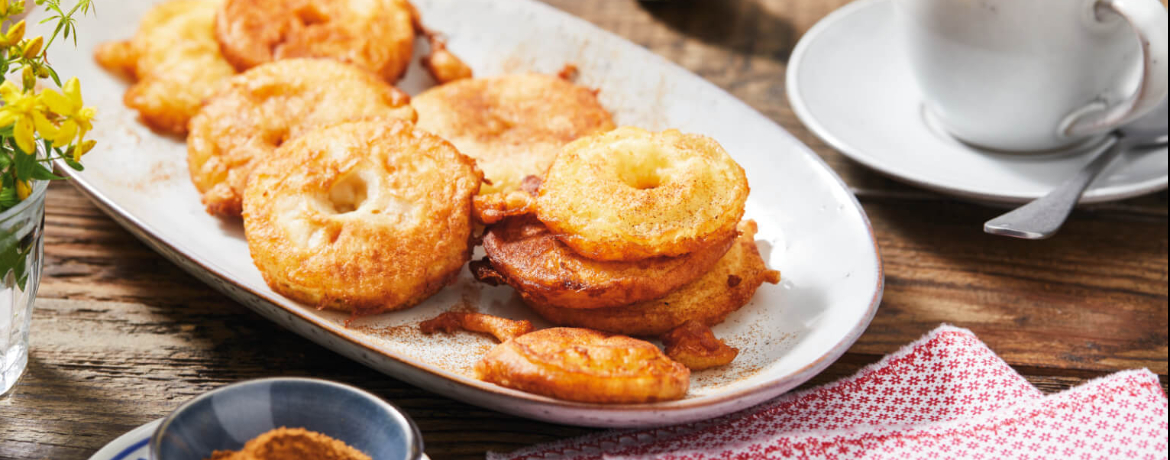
292	444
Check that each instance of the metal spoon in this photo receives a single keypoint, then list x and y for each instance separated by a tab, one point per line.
1043	217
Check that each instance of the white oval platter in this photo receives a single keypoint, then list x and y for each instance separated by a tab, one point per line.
811	226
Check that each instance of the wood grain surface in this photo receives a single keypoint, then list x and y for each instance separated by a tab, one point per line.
120	336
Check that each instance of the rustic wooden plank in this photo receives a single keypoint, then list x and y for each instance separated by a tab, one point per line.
1093	298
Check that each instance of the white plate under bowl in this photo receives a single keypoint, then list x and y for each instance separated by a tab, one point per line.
850	82
811	227
134	445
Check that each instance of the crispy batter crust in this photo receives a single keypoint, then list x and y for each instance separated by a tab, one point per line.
630	194
729	285
444	66
513	125
546	272
175	61
695	346
260	109
586	366
375	35
366	216
491	208
503	329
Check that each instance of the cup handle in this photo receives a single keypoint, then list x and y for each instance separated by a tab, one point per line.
1148	19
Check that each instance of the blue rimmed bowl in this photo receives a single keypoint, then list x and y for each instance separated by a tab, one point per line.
227	417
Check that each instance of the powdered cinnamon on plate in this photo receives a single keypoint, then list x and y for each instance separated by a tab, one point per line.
292	444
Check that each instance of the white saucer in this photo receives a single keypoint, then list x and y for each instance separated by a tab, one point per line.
850	83
130	446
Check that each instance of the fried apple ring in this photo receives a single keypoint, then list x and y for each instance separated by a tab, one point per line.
727	287
258	110
366	216
375	35
503	329
694	345
546	272
513	125
585	366
630	194
175	61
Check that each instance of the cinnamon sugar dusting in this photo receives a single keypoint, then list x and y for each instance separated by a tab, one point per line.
160	173
292	444
456	353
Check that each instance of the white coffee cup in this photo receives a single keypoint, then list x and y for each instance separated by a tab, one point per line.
1028	75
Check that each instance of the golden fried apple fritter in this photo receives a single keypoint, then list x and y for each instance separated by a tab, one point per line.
366	216
729	285
695	346
443	66
175	61
490	208
258	110
585	366
630	194
546	272
513	125
503	329
375	35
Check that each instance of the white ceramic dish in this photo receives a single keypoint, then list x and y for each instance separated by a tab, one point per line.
812	228
850	82
134	445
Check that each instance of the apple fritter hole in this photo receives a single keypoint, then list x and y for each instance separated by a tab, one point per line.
348	194
641	168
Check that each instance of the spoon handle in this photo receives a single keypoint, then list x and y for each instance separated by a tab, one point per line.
1042	217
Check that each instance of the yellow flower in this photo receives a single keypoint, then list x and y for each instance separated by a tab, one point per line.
12	7
14	34
20	112
33	47
82	149
28	77
23	190
78	119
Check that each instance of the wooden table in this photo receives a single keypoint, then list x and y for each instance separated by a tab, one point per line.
120	336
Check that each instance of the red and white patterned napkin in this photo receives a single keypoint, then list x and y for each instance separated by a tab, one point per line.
946	396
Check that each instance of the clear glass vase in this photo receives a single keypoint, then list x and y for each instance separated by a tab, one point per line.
22	248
